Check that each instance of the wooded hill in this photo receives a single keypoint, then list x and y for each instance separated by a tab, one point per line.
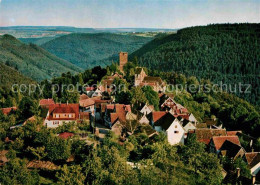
31	60
9	76
89	50
222	52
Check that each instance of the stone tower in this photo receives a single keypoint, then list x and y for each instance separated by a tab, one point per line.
123	58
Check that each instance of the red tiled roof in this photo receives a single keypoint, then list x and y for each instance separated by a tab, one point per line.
110	106
84	115
46	102
63	108
66	135
233	133
86	102
219	140
114	117
6	111
157	115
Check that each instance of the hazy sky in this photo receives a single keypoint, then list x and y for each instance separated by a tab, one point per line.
127	13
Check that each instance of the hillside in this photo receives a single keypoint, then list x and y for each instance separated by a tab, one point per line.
37	41
31	60
9	76
225	52
88	50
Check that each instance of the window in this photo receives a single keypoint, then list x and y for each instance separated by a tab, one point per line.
70	115
175	126
57	115
55	122
176	132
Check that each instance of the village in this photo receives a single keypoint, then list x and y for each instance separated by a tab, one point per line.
105	115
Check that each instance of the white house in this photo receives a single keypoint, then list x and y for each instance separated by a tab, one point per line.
147	109
192	119
144	120
172	127
61	113
187	125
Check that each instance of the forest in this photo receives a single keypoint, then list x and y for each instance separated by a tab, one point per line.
31	60
87	50
154	160
228	53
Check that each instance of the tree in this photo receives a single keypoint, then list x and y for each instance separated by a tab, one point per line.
27	107
123	97
16	172
151	96
71	175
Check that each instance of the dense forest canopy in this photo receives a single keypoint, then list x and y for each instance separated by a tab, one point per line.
223	52
31	60
89	50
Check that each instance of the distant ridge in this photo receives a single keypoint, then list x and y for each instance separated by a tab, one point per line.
31	60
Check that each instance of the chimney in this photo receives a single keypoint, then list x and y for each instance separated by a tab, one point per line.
253	150
67	102
253	179
238	172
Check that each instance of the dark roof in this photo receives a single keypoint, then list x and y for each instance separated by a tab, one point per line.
252	158
165	121
231	148
149	79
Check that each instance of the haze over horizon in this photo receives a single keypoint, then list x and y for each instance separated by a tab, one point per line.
127	14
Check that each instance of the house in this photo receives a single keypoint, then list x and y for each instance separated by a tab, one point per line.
187	125
147	109
217	142
66	135
8	110
204	135
45	103
141	79
192	119
87	105
155	116
168	104
83	97
253	161
172	127
231	150
144	120
61	113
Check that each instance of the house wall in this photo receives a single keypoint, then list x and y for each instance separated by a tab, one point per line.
64	115
117	128
192	119
145	110
173	137
144	120
55	123
188	127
